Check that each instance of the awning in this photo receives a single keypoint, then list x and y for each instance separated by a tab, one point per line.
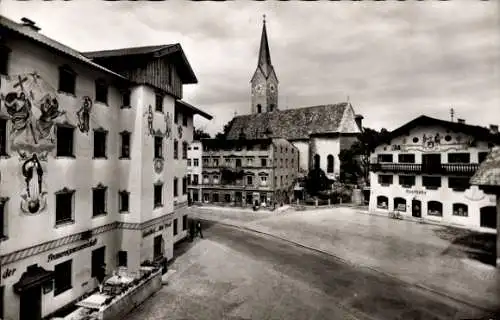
32	277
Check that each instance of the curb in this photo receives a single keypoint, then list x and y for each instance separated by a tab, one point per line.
420	286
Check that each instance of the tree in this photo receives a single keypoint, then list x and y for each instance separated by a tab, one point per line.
200	134
225	131
316	181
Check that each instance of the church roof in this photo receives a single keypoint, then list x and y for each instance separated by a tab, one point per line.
290	124
488	173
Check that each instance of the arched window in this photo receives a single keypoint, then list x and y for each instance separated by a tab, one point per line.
400	204
329	167
435	208
460	209
382	202
316	161
259	108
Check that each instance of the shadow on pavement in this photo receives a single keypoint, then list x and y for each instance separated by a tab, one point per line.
475	245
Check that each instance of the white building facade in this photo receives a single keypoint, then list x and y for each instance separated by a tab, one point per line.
424	170
86	174
194	170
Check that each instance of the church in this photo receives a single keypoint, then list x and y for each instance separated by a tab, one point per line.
318	132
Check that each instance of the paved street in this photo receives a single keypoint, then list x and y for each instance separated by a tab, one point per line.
236	274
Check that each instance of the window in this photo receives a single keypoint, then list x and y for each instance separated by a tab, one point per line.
176	149
384	158
259	108
458	183
460	209
435	208
195	148
216	162
4	61
184	149
65	141
125	145
196	162
158	102
286	163
184	120
184	222
281	163
406	158
238	163
329	166
67	80
64	206
431	183
126	100
249	180
99	200
100	143
431	163
249	162
101	91
158	195
175	227
385	179
263	179
175	187
382	202
184	185
481	156
3	216
98	258
216	179
157	247
176	117
215	197
205	162
122	258
400	204
407	181
158	147
62	277
459	157
195	179
228	161
263	162
3	137
123	204
189	162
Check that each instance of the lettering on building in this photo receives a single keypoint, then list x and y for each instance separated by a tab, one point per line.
68	252
8	273
415	191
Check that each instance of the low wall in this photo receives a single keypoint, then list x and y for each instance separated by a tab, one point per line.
123	305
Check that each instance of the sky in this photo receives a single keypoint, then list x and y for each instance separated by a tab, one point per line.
392	60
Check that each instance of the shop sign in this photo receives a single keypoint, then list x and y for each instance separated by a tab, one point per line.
8	273
415	191
68	252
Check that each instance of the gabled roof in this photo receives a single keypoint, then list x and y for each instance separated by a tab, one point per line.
184	104
158	51
477	132
488	173
290	124
21	30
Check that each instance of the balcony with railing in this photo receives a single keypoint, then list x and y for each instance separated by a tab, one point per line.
465	169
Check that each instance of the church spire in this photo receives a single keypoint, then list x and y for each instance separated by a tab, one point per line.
264	54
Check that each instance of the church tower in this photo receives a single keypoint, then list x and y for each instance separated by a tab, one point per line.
264	83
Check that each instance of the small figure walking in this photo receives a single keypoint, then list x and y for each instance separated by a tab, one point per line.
198	228
101	275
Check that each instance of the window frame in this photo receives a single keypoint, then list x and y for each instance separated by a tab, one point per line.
63	275
158	147
175	187
456	207
157	195
63	86
121	207
65	192
104	189
97	153
71	153
176	149
125	147
101	87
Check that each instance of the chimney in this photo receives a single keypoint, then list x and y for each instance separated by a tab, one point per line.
359	120
494	128
462	121
30	24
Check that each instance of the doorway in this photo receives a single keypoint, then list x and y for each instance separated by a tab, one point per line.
416	208
31	304
488	217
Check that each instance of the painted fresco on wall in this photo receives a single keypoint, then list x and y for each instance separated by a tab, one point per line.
179	131
168	126
158	165
432	141
33	195
33	108
150	117
83	115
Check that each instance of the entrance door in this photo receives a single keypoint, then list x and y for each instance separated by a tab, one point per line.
488	217
416	208
31	304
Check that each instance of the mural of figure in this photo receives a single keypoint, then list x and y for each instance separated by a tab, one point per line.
150	118
84	115
18	107
49	109
424	139
168	129
437	138
34	191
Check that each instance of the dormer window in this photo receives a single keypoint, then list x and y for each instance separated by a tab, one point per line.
67	79
4	59
101	91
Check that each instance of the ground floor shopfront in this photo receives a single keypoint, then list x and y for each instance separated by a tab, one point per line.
470	208
37	281
239	197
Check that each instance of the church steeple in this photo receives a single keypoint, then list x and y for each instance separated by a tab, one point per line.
264	81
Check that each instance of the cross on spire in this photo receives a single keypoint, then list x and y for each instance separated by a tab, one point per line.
264	18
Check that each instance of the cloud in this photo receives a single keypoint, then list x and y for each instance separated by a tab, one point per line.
394	60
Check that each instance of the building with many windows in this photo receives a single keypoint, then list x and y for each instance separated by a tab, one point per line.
87	163
194	170
423	171
243	172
